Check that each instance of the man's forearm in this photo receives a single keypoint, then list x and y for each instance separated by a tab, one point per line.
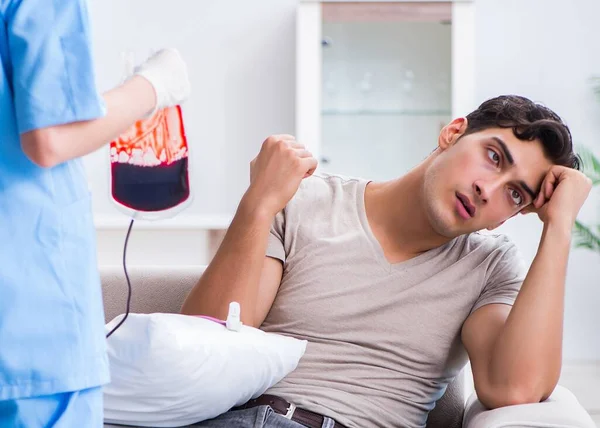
125	104
235	271
528	352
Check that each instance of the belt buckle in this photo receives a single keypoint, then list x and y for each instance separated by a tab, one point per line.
290	411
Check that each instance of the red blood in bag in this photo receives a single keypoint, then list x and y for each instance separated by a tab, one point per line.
149	163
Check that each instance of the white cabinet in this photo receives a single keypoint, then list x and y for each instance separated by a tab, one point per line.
376	81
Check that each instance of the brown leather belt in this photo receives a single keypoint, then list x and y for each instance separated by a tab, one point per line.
279	405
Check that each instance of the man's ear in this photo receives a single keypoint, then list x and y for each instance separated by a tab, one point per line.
452	132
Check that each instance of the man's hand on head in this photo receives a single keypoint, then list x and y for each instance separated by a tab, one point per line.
563	192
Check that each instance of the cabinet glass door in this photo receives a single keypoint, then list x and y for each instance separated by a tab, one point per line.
386	85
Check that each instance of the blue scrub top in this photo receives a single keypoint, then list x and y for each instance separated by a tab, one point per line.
51	317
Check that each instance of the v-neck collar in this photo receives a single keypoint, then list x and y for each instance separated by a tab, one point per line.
376	246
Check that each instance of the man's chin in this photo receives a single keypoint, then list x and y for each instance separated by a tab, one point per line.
447	229
452	229
447	224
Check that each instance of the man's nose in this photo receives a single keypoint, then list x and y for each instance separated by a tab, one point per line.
484	189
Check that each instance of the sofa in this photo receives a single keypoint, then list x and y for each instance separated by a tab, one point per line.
163	289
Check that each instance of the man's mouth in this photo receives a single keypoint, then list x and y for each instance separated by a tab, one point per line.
465	208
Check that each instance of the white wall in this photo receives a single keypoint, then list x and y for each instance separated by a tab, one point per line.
547	50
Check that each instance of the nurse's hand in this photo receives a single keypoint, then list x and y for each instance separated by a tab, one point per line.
276	173
167	72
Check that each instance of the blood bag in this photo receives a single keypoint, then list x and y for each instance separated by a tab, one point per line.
149	169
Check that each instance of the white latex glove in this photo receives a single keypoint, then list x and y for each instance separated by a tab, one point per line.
167	72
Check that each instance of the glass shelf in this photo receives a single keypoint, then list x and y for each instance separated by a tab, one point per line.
394	112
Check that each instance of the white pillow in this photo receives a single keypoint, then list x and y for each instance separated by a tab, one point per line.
170	370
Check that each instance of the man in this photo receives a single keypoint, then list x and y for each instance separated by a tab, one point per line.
52	340
390	282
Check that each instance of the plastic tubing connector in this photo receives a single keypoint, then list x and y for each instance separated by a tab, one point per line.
233	317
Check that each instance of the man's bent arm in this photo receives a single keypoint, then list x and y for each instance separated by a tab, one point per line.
240	271
516	354
525	363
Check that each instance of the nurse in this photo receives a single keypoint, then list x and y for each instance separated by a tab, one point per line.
52	340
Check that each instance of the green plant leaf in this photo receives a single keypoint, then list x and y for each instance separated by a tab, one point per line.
591	164
596	85
585	237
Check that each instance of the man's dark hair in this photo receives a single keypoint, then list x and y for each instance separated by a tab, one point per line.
528	121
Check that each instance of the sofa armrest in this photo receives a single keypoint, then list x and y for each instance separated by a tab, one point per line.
560	410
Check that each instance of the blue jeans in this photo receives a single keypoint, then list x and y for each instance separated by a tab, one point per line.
256	417
65	410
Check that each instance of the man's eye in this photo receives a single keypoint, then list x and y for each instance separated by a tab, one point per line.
516	197
494	157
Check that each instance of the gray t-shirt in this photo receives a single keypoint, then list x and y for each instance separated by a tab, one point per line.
383	339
